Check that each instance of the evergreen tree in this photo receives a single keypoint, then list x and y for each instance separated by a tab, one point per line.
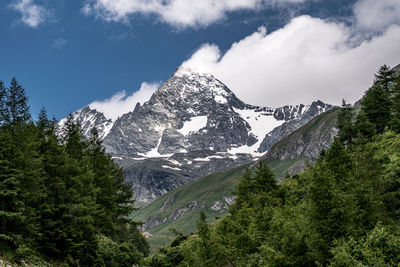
3	104
395	122
114	198
32	183
345	123
363	127
376	106
17	104
385	77
43	121
332	209
11	204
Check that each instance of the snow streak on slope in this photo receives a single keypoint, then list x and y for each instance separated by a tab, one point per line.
260	124
193	125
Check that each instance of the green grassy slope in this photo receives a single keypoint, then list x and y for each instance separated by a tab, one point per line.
206	191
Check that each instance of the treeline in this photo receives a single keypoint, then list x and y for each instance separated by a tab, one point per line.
62	198
343	211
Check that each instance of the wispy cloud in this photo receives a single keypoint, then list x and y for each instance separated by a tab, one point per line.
121	103
31	14
59	43
178	13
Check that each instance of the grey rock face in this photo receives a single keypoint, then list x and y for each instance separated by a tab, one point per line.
298	117
396	69
200	101
88	119
153	177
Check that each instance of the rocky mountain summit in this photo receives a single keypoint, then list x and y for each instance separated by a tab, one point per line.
190	113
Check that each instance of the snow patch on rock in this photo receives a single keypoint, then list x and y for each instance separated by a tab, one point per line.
193	125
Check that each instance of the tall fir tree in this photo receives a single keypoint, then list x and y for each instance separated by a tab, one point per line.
345	123
376	106
3	104
385	78
395	122
11	204
17	103
114	198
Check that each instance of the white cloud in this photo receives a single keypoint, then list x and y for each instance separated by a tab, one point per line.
120	103
376	15
179	13
32	15
59	43
308	59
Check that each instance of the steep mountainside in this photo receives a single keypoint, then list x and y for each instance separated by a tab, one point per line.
397	68
157	176
305	143
191	113
213	194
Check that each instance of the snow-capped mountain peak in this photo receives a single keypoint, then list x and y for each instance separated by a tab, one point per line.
193	111
88	119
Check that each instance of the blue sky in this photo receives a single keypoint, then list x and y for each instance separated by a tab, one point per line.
68	53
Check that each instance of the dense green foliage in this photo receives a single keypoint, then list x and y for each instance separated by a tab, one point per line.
62	197
342	211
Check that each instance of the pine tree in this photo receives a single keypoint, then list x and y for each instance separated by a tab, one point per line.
114	198
385	77
17	103
11	204
332	209
395	122
3	104
74	141
363	128
376	105
43	121
204	233
345	123
54	210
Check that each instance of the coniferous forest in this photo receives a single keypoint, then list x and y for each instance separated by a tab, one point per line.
65	202
63	199
342	211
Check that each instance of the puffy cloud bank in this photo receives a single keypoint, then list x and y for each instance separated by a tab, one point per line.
120	103
376	15
306	60
309	58
178	13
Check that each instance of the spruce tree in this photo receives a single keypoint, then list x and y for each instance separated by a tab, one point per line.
114	197
3	104
395	122
376	105
385	77
332	209
11	204
345	123
17	103
43	121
